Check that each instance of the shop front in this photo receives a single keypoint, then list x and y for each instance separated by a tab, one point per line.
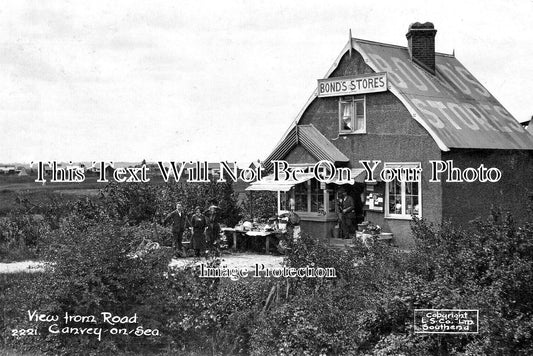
317	204
318	201
399	109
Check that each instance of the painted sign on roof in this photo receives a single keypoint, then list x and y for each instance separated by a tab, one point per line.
452	106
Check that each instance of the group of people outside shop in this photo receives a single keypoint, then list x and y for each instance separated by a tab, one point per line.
205	229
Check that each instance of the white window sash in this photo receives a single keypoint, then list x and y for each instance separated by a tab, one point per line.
323	194
357	122
403	194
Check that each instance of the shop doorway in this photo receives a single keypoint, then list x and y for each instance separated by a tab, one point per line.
357	191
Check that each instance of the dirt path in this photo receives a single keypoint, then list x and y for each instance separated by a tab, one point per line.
24	266
235	260
229	260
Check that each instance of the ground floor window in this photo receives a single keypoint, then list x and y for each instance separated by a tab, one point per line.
300	196
317	197
332	201
311	196
403	199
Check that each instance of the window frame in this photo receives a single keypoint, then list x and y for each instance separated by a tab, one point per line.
308	214
352	100
403	193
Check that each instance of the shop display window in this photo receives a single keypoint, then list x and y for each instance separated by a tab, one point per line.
402	198
310	197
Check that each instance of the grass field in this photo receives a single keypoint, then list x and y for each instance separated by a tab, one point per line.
13	187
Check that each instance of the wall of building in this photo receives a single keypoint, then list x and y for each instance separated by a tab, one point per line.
318	229
392	136
463	202
299	155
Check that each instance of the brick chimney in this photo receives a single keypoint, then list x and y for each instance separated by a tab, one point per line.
421	43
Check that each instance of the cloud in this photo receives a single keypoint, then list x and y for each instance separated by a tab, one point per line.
47	23
225	71
125	43
23	61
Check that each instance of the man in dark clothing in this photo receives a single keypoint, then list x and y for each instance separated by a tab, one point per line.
179	222
359	210
346	207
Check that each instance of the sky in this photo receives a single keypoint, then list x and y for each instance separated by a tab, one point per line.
214	80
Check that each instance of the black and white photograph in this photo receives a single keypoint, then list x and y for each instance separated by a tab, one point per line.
266	178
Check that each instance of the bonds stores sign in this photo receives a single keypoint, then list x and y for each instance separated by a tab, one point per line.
352	85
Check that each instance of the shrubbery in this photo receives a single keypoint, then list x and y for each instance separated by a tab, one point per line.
366	310
22	231
137	202
369	308
260	205
89	271
21	236
489	268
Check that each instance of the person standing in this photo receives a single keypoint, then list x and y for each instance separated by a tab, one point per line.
178	219
293	221
359	210
198	223
213	228
346	207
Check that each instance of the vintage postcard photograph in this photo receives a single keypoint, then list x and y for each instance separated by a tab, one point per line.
266	178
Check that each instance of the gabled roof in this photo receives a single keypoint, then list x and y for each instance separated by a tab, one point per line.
312	140
452	106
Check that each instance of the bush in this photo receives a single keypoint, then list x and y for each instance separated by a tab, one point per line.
260	204
137	202
239	303
53	208
490	268
89	271
339	316
369	308
366	310
200	194
20	236
130	202
22	230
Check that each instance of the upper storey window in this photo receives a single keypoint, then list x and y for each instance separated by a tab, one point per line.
352	115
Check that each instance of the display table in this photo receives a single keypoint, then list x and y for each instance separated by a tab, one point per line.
252	233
